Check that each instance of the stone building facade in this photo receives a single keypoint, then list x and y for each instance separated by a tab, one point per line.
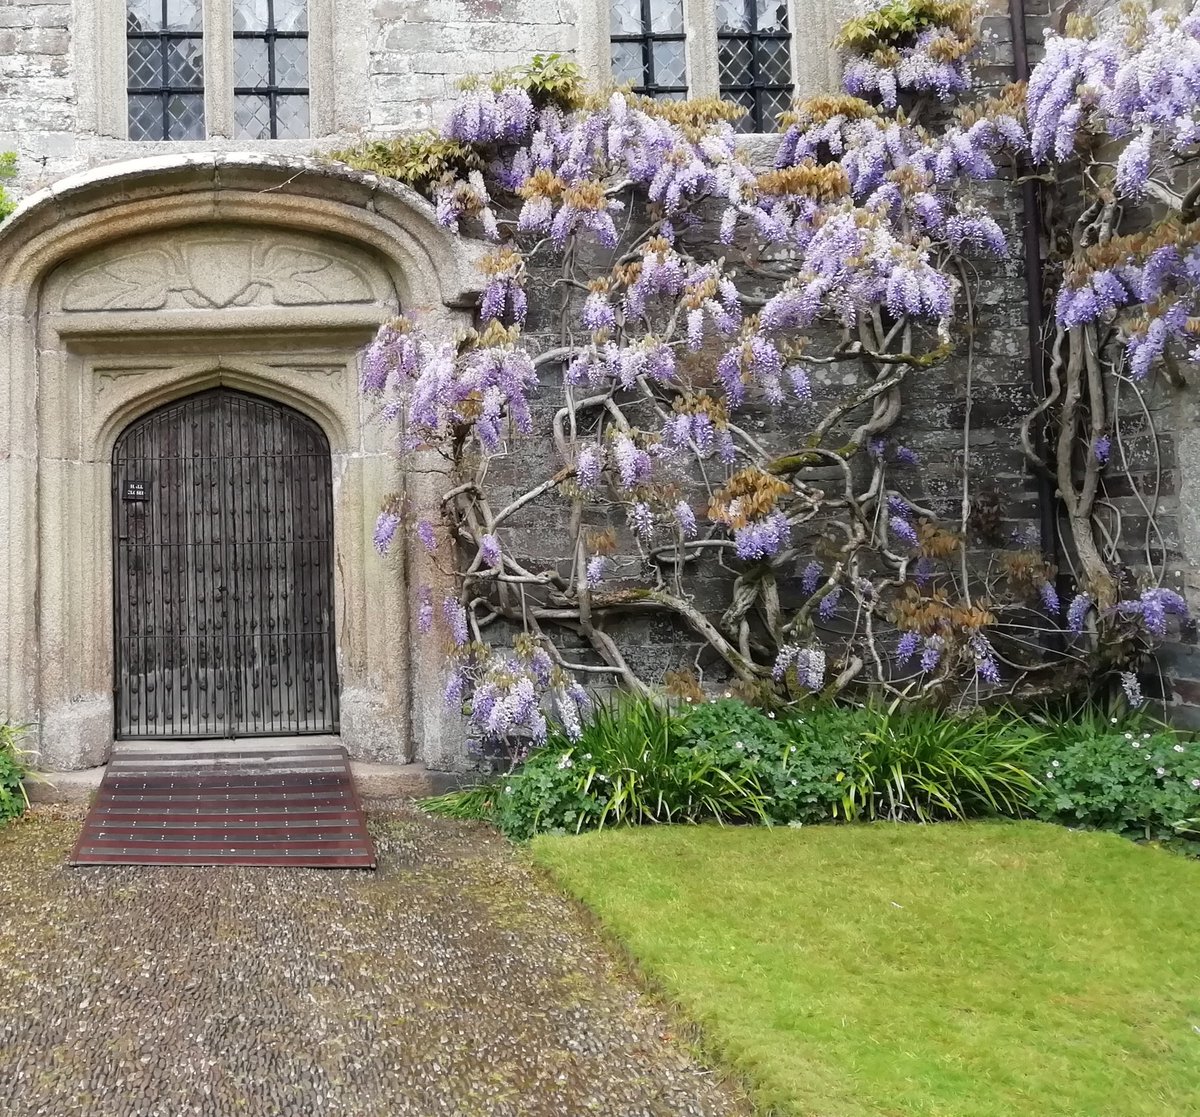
177	242
178	248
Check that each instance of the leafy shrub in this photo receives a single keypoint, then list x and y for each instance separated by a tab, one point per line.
924	764
1136	778
13	769
798	764
420	160
8	170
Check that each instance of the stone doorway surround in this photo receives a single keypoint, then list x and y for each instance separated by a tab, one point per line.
124	288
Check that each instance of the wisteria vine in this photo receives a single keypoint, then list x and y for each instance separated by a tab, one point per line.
693	292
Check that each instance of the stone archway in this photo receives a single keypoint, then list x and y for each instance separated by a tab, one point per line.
125	289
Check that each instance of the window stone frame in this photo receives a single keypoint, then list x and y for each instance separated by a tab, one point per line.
103	92
815	64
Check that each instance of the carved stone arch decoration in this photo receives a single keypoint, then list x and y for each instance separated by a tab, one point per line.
125	288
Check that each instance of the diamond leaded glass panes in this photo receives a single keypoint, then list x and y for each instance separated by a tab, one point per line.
165	69
270	69
647	38
754	59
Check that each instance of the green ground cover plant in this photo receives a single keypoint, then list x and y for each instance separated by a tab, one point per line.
960	970
13	770
639	761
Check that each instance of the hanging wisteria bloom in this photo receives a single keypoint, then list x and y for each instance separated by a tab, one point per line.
385	529
489	550
808	663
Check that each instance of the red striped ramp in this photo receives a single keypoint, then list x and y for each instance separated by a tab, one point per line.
246	802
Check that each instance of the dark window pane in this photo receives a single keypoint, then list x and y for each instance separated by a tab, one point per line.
625	17
291	116
746	100
772	15
252	117
291	63
291	15
773	103
733	15
145	116
734	61
185	63
250	15
627	64
251	63
145	64
165	53
143	15
666	17
185	116
184	15
669	67
774	61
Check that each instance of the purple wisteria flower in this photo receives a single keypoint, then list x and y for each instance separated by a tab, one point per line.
904	531
986	667
907	645
641	519
1050	599
1102	448
686	519
1077	611
829	603
425	533
760	539
809	665
1132	688
931	655
385	530
597	565
455	617
489	550
424	610
588	465
811	578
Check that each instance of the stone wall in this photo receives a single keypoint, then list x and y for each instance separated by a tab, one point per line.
377	67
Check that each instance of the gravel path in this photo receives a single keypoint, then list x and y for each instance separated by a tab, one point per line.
450	981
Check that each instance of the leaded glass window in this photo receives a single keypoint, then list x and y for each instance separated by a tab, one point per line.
165	71
754	59
647	39
270	69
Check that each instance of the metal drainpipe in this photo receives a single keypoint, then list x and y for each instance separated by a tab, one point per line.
1031	205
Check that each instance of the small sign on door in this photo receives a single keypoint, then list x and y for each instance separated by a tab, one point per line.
136	490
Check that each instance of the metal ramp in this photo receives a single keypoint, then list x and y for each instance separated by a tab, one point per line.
266	801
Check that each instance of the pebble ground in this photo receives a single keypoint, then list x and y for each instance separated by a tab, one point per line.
452	980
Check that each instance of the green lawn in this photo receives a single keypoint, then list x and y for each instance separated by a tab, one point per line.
971	970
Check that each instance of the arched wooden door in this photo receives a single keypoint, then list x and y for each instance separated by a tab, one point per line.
223	571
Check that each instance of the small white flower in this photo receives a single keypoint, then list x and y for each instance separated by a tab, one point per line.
1196	783
1147	755
1113	720
688	699
587	756
739	745
793	783
1055	764
566	762
1049	775
1179	748
771	715
1145	736
1128	736
729	694
1160	771
508	791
